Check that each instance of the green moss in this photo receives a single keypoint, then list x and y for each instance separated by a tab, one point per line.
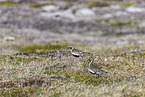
41	5
103	20
69	4
42	49
120	23
128	4
26	16
98	4
9	3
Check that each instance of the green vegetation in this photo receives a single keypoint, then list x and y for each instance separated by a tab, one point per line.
69	4
98	4
9	3
119	23
128	4
16	92
41	5
42	49
103	20
69	76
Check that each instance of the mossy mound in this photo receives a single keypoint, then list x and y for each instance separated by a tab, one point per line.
103	20
9	3
128	4
41	5
119	23
98	4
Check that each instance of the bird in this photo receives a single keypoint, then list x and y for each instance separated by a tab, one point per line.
76	52
94	68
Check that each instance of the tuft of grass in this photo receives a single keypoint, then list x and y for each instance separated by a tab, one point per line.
128	4
9	3
41	5
98	4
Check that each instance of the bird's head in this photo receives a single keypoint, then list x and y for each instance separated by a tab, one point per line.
71	47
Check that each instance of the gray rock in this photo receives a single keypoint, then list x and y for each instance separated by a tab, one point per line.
135	9
85	12
50	8
9	38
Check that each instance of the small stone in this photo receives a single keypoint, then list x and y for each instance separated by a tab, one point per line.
9	38
135	9
85	12
50	8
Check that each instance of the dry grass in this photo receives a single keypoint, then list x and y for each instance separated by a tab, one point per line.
68	76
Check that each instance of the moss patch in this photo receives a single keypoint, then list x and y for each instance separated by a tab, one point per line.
103	20
41	5
9	3
98	4
128	4
119	23
69	4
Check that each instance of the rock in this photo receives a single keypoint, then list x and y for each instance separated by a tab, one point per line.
50	8
9	38
108	15
119	13
85	12
135	9
115	7
66	13
121	43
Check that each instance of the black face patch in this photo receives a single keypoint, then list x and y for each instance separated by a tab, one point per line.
76	55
